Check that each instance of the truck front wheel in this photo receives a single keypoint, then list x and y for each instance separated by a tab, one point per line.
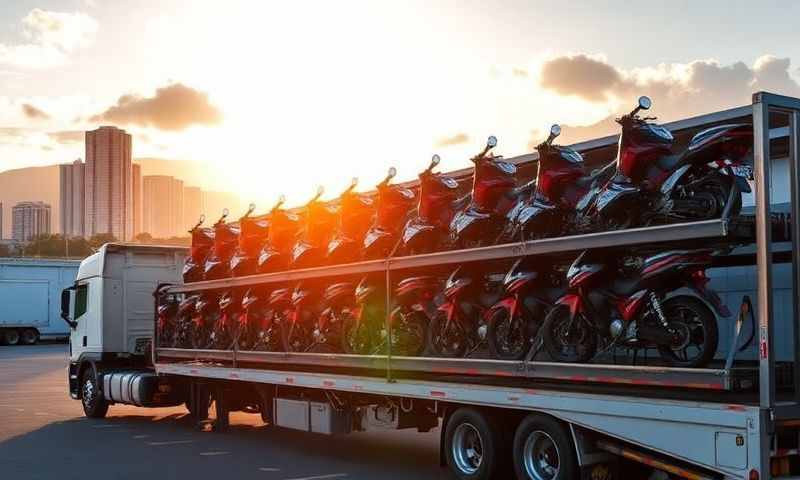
476	446
92	399
543	450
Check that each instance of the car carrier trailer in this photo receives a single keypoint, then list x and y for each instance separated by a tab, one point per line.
738	419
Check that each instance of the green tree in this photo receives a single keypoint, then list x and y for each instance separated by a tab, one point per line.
143	237
100	239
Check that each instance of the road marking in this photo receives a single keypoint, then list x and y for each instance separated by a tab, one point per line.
213	454
320	477
269	469
139	437
173	442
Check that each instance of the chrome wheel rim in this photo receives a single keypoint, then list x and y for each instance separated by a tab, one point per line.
540	455
88	393
467	448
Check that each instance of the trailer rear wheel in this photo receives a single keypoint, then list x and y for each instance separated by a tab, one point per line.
92	399
543	450
11	336
476	447
29	336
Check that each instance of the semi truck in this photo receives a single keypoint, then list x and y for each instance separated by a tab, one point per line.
29	293
529	419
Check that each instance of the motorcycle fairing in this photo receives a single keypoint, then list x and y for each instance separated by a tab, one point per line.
416	232
468	219
573	302
615	191
699	284
539	206
630	306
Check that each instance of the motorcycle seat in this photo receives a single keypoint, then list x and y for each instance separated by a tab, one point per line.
625	286
670	162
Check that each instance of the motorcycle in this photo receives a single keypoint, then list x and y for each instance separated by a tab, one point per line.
226	329
318	226
638	309
393	205
299	319
281	235
338	301
184	325
459	327
494	193
529	292
205	318
202	242
253	233
559	203
354	217
429	229
652	185
167	321
226	237
364	327
260	320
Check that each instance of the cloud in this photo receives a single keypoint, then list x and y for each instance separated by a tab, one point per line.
457	139
174	107
51	38
678	90
34	113
67	136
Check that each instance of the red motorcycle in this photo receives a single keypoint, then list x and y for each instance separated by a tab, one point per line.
494	193
318	226
428	231
253	234
459	327
559	204
355	214
226	329
185	323
338	302
300	318
202	243
634	304
204	320
530	289
226	237
262	316
167	314
652	185
393	205
282	233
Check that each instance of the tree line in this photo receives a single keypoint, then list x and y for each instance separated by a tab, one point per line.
58	246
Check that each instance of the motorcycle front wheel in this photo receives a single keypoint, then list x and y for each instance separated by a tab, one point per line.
694	331
296	336
508	338
445	339
409	333
355	336
568	341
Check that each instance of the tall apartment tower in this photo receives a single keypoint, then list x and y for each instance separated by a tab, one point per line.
29	220
162	205
108	183
136	184
71	198
192	207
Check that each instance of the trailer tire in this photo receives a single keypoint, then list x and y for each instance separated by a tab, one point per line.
476	446
92	399
11	336
543	450
29	336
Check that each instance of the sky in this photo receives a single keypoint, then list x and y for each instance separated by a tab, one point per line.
279	97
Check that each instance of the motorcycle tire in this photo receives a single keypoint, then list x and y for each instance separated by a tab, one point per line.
443	344
582	340
355	336
296	338
697	322
501	326
409	334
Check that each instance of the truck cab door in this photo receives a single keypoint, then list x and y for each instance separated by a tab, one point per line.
79	304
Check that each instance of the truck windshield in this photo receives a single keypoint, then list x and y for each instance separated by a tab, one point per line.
81	298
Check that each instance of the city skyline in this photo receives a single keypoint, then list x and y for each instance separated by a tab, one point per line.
29	220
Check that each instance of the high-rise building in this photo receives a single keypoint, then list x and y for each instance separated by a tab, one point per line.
29	220
162	203
137	198
71	198
108	183
192	207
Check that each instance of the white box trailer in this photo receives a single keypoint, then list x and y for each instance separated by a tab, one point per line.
30	289
548	420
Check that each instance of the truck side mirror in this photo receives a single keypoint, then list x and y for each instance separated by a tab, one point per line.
65	298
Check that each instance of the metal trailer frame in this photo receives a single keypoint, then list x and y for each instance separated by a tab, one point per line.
711	426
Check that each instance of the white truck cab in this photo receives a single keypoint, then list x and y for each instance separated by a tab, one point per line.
110	310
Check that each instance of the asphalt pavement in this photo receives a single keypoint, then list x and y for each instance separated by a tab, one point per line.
44	435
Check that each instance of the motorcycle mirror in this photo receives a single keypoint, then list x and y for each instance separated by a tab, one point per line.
202	219
555	130
392	172
320	190
225	212
282	199
435	160
491	142
645	103
251	208
353	182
